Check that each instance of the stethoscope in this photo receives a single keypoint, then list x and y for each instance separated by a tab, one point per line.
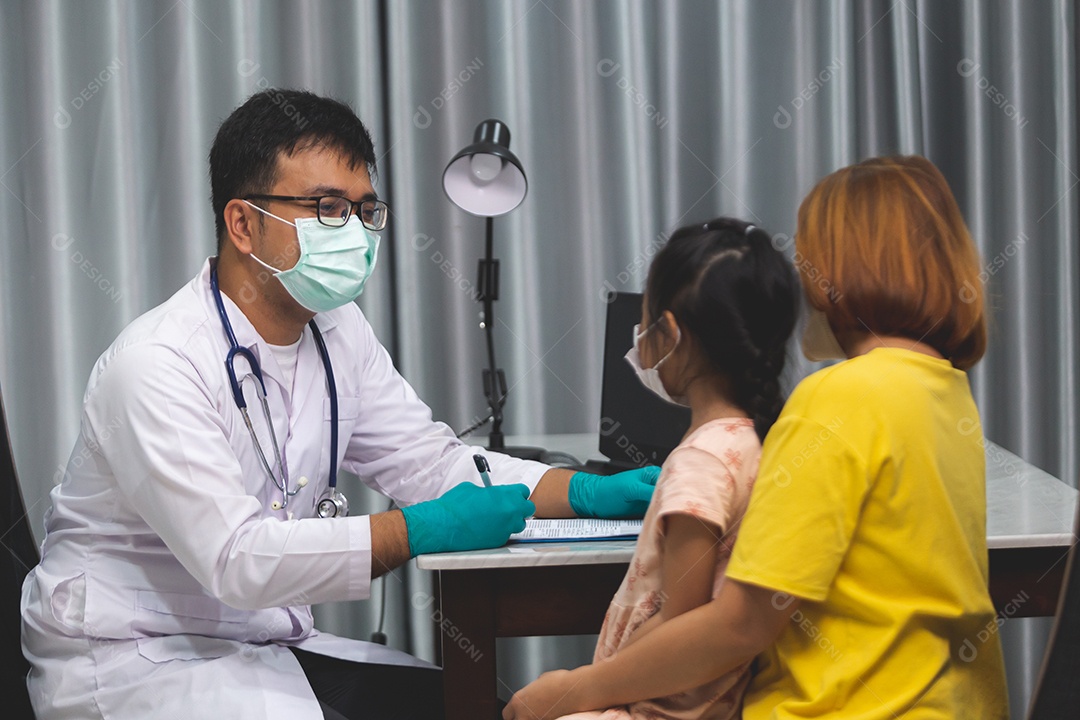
333	504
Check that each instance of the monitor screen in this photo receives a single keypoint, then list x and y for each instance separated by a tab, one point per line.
636	427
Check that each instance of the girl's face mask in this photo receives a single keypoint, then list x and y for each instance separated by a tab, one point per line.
650	377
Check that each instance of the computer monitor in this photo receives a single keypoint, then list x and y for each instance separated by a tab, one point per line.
636	427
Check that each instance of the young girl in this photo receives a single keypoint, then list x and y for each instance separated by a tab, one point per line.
860	576
719	307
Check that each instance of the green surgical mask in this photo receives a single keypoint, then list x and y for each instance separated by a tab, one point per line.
334	264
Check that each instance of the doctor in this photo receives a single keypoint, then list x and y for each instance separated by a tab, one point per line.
199	518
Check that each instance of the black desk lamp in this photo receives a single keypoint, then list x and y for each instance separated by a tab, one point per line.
486	179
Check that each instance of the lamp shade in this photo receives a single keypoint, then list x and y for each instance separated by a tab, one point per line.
485	178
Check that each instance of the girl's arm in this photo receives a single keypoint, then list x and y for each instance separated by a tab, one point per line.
687	568
678	655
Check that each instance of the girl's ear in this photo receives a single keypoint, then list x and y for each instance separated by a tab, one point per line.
671	325
686	349
672	338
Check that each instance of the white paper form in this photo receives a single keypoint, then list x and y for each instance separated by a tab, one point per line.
544	530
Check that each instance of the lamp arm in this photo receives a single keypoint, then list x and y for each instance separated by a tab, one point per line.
494	384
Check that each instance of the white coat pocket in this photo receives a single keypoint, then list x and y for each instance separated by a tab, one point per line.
187	647
175	613
348	409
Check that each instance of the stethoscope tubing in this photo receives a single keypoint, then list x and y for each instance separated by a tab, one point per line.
235	349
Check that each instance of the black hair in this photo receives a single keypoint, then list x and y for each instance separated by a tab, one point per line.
244	156
737	295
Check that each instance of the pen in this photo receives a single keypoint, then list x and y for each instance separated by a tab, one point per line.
482	467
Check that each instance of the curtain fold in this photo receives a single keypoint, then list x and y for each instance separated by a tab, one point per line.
630	118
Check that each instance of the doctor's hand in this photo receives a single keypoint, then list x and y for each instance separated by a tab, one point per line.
467	517
622	495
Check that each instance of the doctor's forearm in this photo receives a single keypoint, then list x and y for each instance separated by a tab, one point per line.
551	494
389	542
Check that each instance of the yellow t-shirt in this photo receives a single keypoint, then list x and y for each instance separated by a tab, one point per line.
870	506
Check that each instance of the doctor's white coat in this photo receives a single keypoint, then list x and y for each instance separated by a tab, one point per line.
168	586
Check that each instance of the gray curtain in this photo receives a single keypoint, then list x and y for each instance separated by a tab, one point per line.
630	118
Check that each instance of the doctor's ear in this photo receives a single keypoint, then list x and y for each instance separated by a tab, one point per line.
239	225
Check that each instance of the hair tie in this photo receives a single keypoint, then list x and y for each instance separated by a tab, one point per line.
750	229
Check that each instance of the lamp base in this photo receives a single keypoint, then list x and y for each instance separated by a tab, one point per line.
523	452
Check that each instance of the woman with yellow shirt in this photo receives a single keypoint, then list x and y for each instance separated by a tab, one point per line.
859	579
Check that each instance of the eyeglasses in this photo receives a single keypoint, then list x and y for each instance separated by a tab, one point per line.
334	211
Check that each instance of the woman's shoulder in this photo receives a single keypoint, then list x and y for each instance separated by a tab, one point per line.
871	383
844	381
844	377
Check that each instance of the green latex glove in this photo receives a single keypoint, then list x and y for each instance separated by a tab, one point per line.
622	495
467	517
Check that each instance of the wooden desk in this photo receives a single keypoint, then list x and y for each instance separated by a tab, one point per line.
564	589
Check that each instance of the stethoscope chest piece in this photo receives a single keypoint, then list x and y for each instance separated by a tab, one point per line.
334	505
